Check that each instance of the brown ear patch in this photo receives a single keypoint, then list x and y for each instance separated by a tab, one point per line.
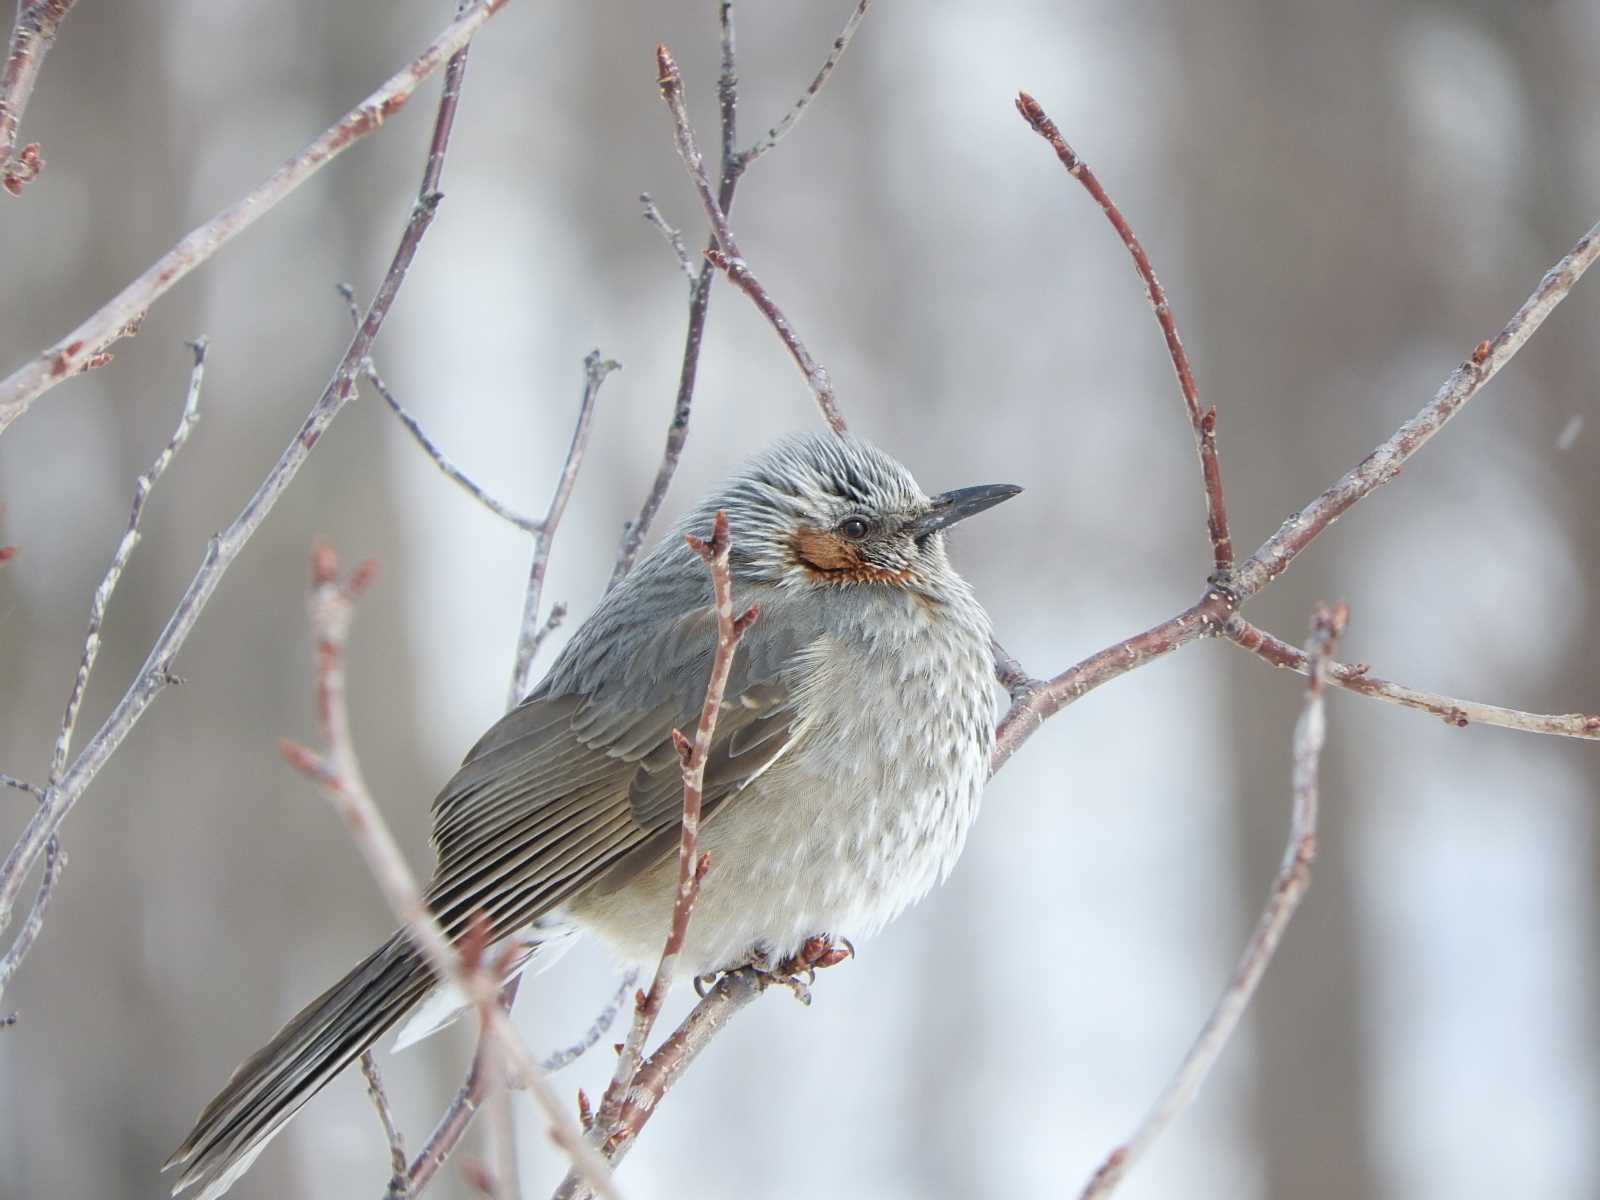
834	559
824	550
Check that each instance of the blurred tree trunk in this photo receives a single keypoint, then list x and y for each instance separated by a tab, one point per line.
1284	236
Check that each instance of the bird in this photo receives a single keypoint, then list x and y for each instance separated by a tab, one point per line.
849	758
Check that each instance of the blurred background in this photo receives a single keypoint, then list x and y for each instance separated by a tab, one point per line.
1341	199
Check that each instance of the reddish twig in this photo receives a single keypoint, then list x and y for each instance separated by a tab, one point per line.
1358	679
38	22
1203	420
726	255
699	307
531	633
224	548
399	1185
120	315
734	162
336	771
1294	877
610	1131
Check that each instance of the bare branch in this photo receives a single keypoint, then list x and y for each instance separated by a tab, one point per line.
1294	877
1384	463
730	259
634	534
399	1185
119	560
156	673
22	785
455	474
89	342
337	773
55	861
531	633
652	215
1358	679
1203	421
609	1131
840	45
38	22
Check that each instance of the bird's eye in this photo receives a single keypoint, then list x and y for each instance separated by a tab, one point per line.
854	528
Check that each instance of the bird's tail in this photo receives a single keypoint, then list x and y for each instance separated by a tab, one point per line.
316	1044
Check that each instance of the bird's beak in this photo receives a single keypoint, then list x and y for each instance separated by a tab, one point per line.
949	507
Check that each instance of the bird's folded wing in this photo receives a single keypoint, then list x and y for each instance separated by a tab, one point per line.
570	790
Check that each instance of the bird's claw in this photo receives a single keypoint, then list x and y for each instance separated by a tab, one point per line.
799	971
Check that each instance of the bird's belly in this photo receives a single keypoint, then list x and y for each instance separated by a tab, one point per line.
816	845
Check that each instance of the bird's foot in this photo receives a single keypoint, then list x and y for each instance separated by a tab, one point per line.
799	971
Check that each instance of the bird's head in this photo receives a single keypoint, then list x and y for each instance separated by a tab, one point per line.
830	510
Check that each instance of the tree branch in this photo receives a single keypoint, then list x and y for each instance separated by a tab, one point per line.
531	633
1203	421
399	1185
38	22
224	548
610	1132
337	773
726	254
1358	679
734	163
1294	877
87	344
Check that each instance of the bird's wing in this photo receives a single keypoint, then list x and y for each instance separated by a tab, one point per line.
571	789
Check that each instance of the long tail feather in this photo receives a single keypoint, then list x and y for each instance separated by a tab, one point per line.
316	1044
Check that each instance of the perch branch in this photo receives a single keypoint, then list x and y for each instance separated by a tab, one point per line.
1202	420
1294	877
120	316
840	44
609	1131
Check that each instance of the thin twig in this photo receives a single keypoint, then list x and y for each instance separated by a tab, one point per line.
119	560
1203	420
38	21
726	256
224	547
840	45
55	861
455	474
337	772
118	316
399	1187
530	633
1358	679
638	529
1294	877
567	1055
22	785
652	215
609	1131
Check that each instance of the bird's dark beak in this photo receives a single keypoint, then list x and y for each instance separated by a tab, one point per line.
949	507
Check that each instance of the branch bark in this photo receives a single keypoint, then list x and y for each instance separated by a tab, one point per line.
1294	877
38	22
120	316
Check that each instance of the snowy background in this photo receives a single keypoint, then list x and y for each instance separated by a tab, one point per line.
1341	199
